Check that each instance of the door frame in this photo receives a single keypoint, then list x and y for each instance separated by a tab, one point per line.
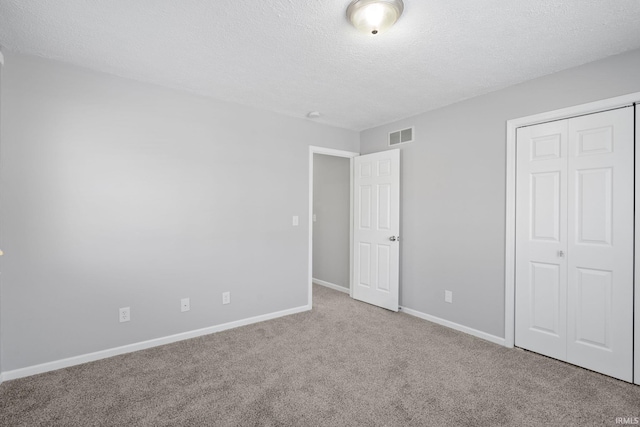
510	218
336	153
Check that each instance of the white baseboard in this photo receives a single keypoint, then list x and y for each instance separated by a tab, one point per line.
330	285
103	354
453	325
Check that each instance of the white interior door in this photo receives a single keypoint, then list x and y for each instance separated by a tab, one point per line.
574	241
600	271
541	239
376	230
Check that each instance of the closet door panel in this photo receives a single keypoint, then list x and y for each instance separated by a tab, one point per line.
600	242
541	235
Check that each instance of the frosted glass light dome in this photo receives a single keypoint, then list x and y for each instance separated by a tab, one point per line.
374	16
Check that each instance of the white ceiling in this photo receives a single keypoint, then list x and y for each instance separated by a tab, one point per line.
296	56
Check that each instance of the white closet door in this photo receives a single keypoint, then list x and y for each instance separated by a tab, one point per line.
574	241
600	250
541	238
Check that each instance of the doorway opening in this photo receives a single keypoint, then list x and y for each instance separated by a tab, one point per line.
330	218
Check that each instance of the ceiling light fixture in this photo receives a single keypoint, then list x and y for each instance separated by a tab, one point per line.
374	16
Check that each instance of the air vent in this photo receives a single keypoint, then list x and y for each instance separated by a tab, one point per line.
401	136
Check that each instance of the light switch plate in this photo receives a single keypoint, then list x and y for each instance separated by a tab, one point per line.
295	220
448	297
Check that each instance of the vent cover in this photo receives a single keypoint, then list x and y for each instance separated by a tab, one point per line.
401	136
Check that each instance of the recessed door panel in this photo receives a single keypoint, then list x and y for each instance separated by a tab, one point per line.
384	167
545	297
364	263
594	198
595	141
545	206
384	260
365	207
593	307
364	169
546	147
384	207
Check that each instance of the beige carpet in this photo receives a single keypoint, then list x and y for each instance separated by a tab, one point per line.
345	364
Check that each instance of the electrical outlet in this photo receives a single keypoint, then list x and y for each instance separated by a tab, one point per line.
295	221
226	297
125	314
448	297
314	218
185	304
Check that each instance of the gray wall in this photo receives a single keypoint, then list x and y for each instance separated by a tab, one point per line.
117	193
453	188
331	203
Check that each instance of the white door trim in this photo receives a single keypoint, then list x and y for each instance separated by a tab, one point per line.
337	153
510	235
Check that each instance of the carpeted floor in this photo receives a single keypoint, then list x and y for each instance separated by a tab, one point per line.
345	363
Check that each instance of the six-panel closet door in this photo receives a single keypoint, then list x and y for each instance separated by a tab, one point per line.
574	240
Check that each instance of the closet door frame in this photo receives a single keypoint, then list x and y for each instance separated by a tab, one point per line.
510	235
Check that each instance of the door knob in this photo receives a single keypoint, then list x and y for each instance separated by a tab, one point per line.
394	238
561	254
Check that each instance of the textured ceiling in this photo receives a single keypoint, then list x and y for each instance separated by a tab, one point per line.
296	56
